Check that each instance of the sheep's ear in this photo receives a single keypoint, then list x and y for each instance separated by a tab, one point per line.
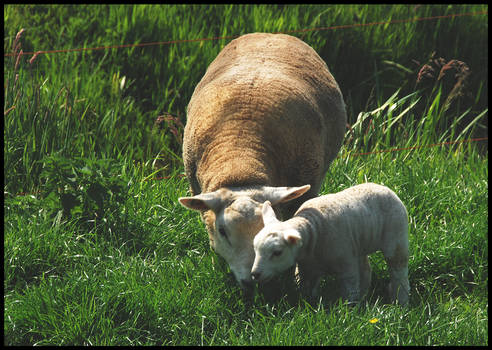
203	201
292	237
284	194
268	214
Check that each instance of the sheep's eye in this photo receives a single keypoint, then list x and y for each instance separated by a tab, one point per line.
277	253
222	232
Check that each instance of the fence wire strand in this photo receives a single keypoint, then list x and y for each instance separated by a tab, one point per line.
354	25
180	41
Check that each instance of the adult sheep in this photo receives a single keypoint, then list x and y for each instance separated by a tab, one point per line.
266	116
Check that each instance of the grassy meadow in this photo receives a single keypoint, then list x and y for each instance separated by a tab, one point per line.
97	250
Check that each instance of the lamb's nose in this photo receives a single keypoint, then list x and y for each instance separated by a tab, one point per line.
255	275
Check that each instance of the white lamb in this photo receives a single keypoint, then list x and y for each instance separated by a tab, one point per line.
334	234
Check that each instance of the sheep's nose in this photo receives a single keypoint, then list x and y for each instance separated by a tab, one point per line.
247	284
255	275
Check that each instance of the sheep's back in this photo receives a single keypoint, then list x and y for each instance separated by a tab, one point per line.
266	112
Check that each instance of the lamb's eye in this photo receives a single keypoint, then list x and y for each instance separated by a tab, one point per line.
277	253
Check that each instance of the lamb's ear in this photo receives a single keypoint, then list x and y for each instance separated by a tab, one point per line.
268	214
284	194
292	237
204	201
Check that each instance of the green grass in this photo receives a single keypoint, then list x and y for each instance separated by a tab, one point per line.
154	280
100	252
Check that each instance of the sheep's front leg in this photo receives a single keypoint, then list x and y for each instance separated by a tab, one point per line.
297	276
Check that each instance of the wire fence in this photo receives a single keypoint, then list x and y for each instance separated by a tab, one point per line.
181	41
417	147
353	25
349	154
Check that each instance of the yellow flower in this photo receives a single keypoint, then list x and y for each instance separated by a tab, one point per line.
373	320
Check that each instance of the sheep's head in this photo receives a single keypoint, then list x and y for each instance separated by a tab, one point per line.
233	216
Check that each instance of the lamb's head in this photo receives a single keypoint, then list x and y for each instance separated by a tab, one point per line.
275	246
233	216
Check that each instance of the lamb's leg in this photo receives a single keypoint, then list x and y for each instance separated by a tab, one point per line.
350	282
307	281
365	275
399	287
315	287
